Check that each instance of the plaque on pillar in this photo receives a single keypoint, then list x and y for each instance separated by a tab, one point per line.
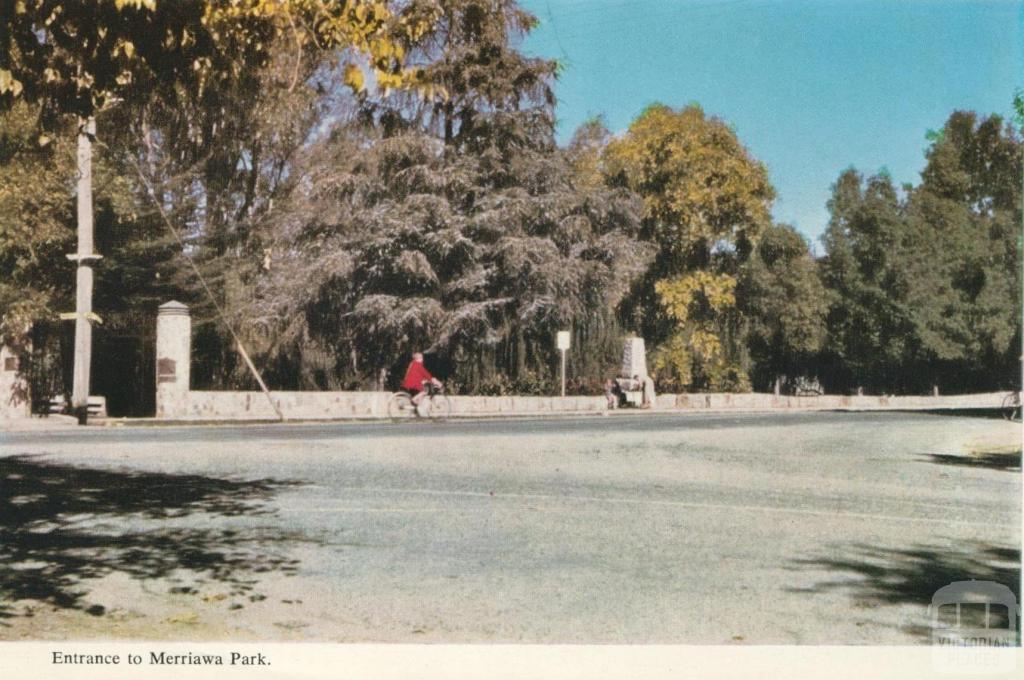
165	371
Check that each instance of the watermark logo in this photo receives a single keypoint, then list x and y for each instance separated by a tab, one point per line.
974	628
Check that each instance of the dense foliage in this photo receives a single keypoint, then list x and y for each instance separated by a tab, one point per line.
359	180
926	285
784	305
706	201
459	229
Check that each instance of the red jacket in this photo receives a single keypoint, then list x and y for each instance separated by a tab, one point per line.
415	376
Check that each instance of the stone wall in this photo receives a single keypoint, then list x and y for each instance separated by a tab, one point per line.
202	405
298	405
525	405
757	401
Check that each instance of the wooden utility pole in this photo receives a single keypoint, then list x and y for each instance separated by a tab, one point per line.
83	314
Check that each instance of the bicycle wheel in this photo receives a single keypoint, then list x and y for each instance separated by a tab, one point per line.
440	407
400	406
1011	406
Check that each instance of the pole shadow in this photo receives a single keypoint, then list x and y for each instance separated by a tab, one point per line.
61	525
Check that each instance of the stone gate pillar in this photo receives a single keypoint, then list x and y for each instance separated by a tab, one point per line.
173	359
14	395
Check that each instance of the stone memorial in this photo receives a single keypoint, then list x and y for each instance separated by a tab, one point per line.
634	381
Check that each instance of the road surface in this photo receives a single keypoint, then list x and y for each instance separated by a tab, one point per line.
813	528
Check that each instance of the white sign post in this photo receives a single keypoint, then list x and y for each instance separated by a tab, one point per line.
562	342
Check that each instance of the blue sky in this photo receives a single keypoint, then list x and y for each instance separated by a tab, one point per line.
810	86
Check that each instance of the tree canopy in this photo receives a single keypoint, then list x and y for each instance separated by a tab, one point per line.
783	301
926	286
357	180
702	190
460	229
73	56
706	201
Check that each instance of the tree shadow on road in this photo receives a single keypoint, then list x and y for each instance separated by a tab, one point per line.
874	576
993	459
61	525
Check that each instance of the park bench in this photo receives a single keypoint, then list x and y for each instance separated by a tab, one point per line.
97	406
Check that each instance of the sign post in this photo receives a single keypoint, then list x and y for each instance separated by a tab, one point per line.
562	342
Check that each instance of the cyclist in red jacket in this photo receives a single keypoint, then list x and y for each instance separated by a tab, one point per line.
416	379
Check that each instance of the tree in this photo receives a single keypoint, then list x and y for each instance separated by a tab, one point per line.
783	303
962	256
870	332
35	219
706	201
703	193
926	289
470	58
228	182
404	246
460	229
696	353
74	57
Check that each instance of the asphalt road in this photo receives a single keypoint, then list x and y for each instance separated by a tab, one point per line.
814	528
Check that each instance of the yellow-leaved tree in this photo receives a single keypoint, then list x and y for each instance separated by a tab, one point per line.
706	201
72	56
696	352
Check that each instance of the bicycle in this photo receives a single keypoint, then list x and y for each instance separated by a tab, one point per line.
435	405
1011	406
